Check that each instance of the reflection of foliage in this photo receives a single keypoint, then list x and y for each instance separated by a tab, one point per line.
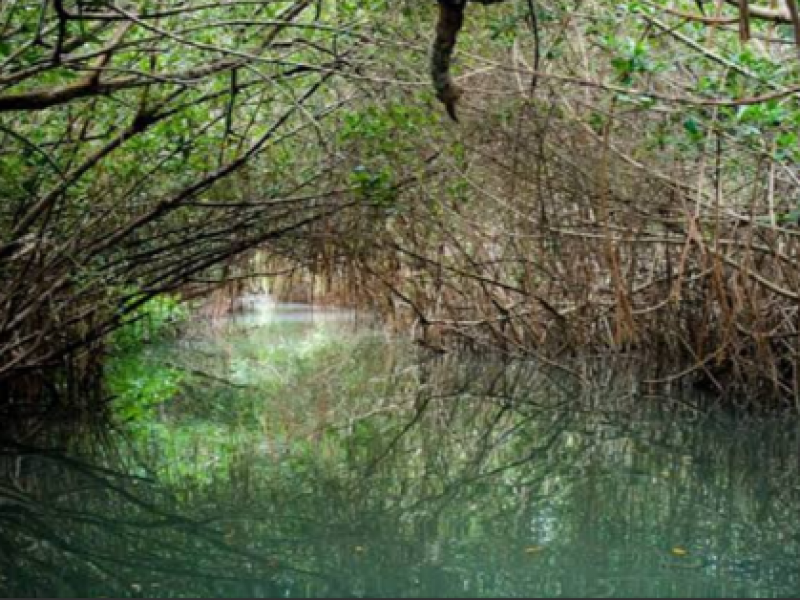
81	530
138	386
364	474
150	322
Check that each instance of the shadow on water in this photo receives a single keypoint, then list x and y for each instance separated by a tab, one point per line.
306	461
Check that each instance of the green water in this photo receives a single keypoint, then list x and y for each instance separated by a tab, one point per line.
291	454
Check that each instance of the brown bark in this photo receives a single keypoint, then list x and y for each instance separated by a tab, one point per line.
449	25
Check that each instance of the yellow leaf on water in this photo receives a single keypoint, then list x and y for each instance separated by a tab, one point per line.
678	551
534	550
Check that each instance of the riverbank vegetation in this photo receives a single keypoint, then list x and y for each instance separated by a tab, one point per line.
622	179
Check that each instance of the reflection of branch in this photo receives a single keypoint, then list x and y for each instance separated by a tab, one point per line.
421	410
148	546
210	376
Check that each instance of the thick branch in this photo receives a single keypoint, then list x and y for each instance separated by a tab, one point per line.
449	25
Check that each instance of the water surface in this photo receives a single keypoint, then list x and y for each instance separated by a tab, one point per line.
288	453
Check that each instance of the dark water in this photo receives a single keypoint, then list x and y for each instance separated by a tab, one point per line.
287	456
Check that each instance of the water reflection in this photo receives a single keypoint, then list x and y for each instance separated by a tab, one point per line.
363	470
